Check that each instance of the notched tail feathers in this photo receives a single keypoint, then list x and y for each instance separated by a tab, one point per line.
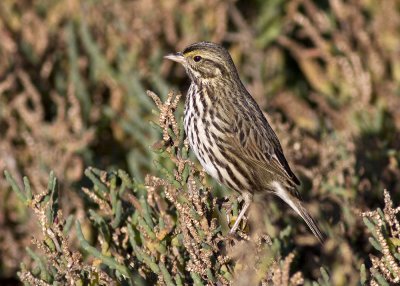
297	206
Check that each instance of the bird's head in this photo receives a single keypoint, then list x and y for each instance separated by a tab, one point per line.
205	61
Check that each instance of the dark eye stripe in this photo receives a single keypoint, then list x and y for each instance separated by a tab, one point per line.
217	65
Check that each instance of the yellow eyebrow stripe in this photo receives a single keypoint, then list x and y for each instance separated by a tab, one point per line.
191	53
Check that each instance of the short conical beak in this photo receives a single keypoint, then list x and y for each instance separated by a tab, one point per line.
178	57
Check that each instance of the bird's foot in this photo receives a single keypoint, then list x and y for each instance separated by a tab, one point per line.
247	201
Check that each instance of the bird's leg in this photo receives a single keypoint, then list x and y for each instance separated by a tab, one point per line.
247	202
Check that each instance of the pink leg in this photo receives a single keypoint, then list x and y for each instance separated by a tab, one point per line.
247	202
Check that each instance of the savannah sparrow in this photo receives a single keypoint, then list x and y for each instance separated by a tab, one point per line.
229	133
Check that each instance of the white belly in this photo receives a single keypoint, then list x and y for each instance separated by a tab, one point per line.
204	159
196	132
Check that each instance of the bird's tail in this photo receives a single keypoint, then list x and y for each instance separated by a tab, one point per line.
296	204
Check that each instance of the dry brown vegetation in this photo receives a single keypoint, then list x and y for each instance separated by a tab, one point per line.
73	81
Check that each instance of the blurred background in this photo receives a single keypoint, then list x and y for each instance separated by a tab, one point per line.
73	76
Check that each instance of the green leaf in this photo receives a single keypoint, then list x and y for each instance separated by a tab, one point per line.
15	187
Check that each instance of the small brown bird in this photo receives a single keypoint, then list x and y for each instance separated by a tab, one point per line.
230	135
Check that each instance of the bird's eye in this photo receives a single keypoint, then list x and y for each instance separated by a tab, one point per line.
197	58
